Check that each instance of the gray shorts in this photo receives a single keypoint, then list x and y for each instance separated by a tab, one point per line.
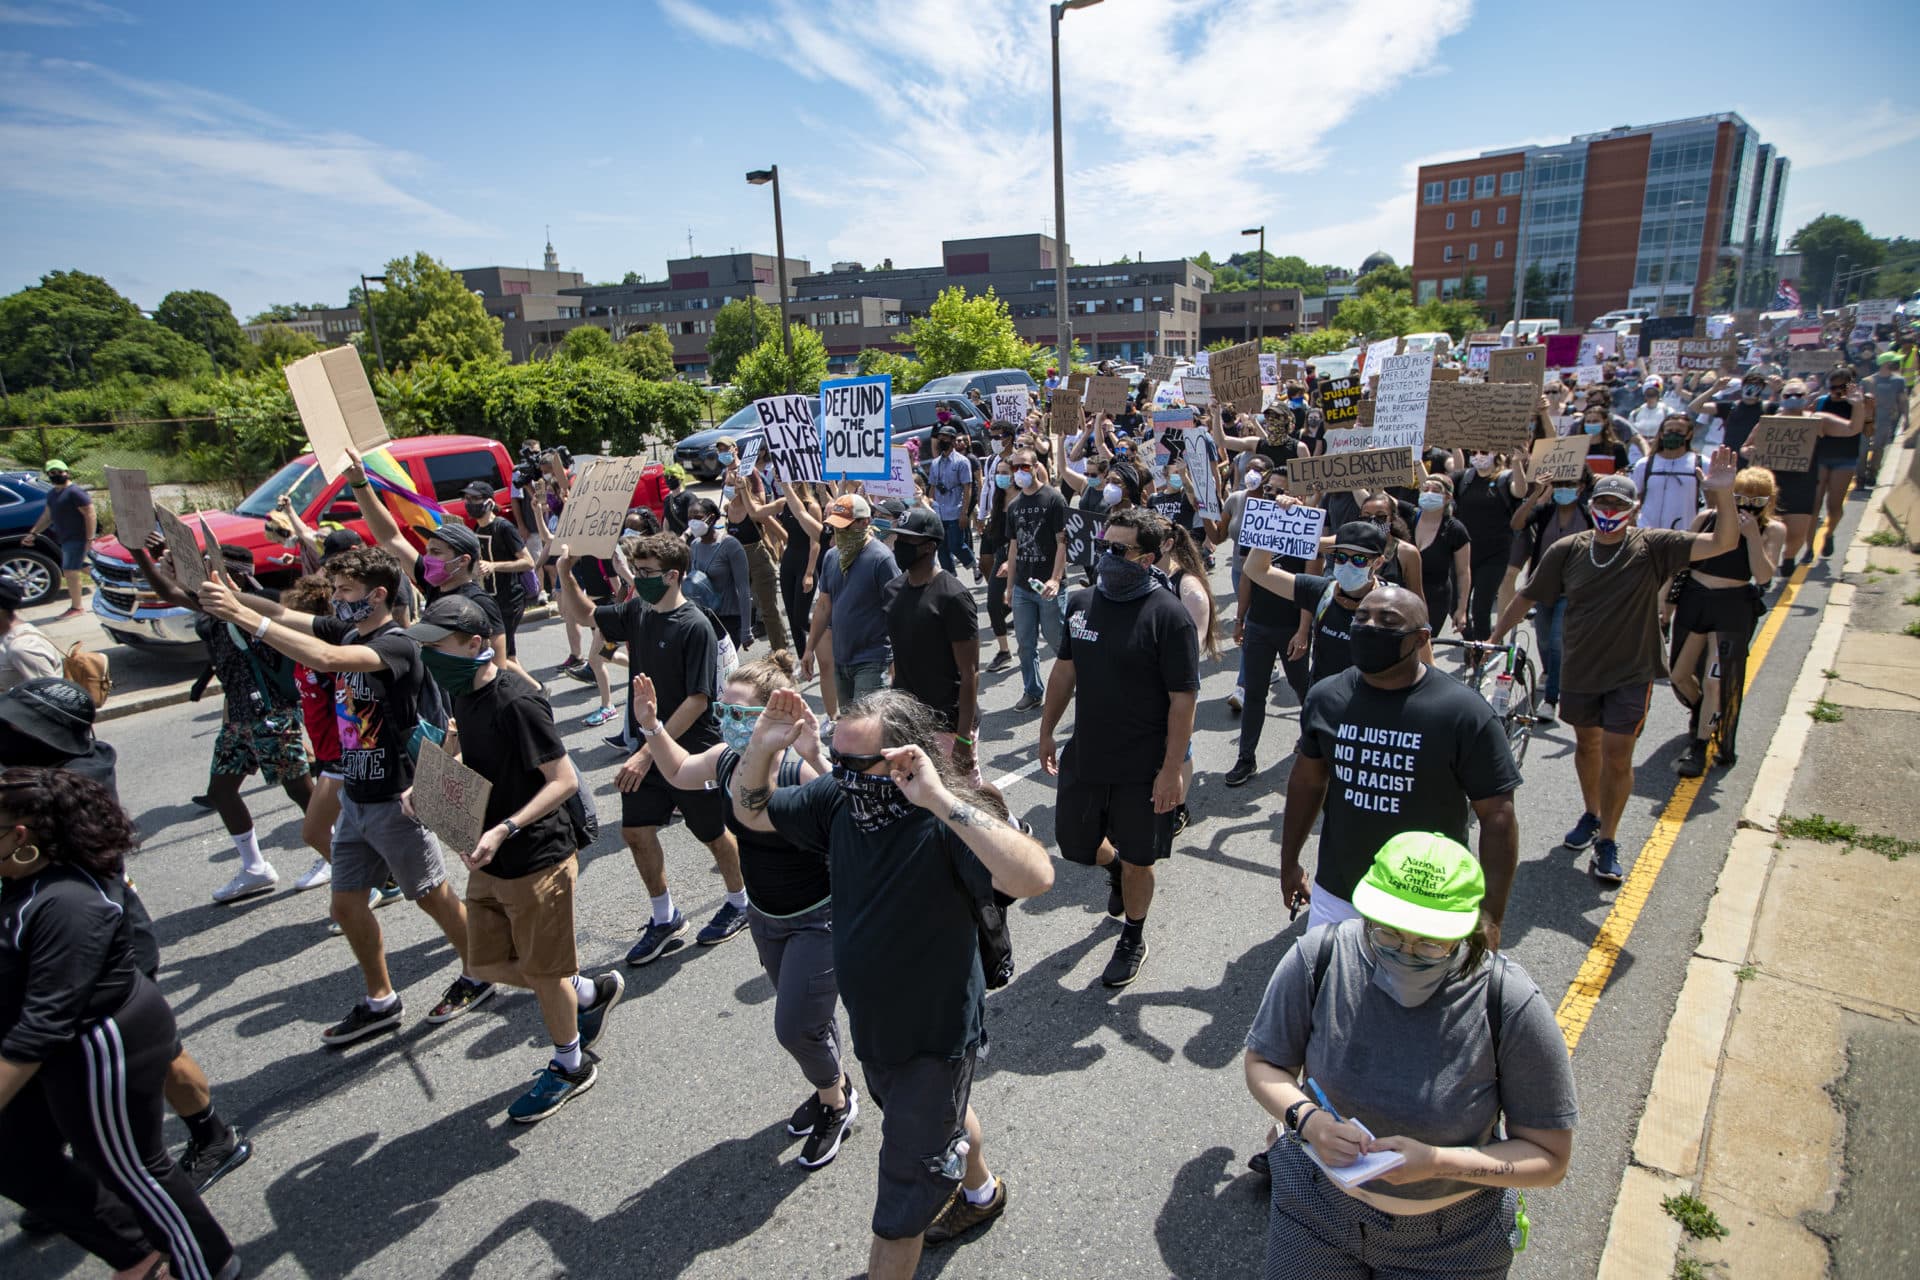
924	1116
373	840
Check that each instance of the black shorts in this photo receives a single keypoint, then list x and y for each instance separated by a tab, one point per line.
923	1102
655	802
1796	493
1621	710
512	609
1085	813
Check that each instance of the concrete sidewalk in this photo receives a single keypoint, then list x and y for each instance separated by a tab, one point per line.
1787	1098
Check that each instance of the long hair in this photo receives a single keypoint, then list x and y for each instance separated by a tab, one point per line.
1185	553
907	721
1758	482
73	819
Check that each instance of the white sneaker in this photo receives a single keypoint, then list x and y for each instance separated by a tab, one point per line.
248	884
321	872
1237	699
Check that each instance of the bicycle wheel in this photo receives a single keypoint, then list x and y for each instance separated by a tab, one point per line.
1518	720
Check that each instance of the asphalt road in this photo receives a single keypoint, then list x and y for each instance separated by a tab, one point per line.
1120	1122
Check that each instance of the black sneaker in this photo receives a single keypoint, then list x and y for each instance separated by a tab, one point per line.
461	995
1693	761
726	922
1116	904
655	937
1605	862
1241	773
1001	661
1128	955
829	1131
806	1116
207	1165
583	673
589	1023
1027	702
1826	546
572	661
360	1023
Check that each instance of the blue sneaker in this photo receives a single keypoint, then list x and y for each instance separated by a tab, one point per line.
1605	863
655	937
553	1088
1583	832
607	990
726	922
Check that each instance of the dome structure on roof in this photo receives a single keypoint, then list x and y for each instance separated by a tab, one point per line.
1378	258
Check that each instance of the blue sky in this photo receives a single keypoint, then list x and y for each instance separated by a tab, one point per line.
274	152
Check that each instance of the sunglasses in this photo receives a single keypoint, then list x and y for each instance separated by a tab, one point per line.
734	713
859	764
1348	557
1120	549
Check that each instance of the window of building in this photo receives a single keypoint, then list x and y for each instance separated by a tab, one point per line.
1449	222
1483	187
1446	254
1450	289
1499	248
1432	192
1457	189
1510	182
1476	217
1427	290
1473	253
1479	286
1500	215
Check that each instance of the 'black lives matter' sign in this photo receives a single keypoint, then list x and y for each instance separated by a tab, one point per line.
856	428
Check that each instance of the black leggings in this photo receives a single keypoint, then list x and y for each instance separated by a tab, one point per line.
1488	574
797	601
119	1194
998	611
1730	614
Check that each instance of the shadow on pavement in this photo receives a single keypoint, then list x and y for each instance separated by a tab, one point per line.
1214	1220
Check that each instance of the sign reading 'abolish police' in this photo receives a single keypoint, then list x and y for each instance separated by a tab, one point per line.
856	428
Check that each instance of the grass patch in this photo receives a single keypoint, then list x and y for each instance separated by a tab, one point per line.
1911	629
1694	1217
1825	830
1827	712
1913	599
1688	1268
1831	674
1872	569
1746	972
1884	538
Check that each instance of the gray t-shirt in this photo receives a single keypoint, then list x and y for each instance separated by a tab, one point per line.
1427	1072
859	609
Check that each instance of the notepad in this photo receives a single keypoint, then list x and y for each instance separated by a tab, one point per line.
1365	1169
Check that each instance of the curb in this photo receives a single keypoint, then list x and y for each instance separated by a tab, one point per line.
1643	1242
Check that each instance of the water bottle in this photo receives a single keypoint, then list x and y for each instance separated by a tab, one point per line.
1502	693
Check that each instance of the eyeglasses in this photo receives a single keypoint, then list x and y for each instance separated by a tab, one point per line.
1348	557
1120	549
859	764
732	712
1393	940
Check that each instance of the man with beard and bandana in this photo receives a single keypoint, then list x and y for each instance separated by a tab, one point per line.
1130	664
1391	745
912	852
850	601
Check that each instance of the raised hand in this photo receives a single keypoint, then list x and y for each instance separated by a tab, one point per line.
646	706
1725	466
782	723
218	600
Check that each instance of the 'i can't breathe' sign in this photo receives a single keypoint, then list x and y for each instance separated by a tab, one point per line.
856	428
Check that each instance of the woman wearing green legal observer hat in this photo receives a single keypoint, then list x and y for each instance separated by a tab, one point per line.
1406	1021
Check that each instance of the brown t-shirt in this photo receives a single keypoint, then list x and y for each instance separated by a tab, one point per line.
1611	638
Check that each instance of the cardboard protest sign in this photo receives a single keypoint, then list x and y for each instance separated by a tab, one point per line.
1663	356
1518	364
1589	375
1664	328
792	443
1563	350
1293	371
1203	481
1564	458
1197	392
1485	338
1627	349
1236	376
1269	368
1400	400
1477	354
1365	469
1078	382
449	799
596	510
1285	531
1481	417
188	565
132	500
216	554
336	406
1083	528
856	427
1711	354
1875	311
1340	400
1160	368
1010	405
1374	354
1068	413
1802	363
1784	444
899	481
1596	347
1107	394
1446	373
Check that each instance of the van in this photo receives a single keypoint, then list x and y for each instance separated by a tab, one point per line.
1613	318
1534	329
1440	344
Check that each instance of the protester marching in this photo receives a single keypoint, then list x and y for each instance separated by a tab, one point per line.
791	668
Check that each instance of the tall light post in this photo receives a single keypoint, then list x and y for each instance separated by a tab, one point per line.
1260	231
1834	283
760	178
366	300
1063	330
1666	268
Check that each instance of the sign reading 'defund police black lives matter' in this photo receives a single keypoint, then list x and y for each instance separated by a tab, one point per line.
792	443
856	428
1285	531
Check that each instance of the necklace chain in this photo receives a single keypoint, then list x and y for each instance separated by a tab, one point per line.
1608	562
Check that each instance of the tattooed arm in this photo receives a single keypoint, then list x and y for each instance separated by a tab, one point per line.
1527	1158
1018	863
778	728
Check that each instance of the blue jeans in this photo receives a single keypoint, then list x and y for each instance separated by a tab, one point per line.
1547	622
955	543
855	680
1031	616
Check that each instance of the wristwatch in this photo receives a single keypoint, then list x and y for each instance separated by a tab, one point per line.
1293	1117
513	828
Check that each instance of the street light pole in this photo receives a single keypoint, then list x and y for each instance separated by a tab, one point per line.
757	178
1063	329
1260	231
1834	283
373	323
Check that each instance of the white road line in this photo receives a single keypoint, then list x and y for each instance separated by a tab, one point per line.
1006	780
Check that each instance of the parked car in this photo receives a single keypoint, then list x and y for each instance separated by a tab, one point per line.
440	467
697	455
914	417
1340	364
981	380
34	569
1441	344
1531	329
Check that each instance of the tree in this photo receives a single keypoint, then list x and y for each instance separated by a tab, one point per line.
1456	318
588	342
149	350
280	345
633	277
1822	243
764	372
738	328
1384	313
1720	286
426	313
206	320
648	353
1385	277
281	312
1321	342
50	332
960	333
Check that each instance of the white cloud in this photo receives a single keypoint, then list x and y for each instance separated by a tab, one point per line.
63	13
1815	140
1186	119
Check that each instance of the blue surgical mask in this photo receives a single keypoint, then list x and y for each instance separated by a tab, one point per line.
1003	481
1351	578
1592	428
1432	501
1566	497
1176	482
726	457
1793	402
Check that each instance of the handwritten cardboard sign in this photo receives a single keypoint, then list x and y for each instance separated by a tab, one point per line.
1784	444
1068	411
1481	417
596	510
1160	368
1375	353
336	406
1364	469
1010	405
1236	375
1663	356
1627	349
188	565
1400	400
1711	354
1285	531
132	500
792	443
1518	364
1293	371
1562	458
856	427
1107	394
1196	392
1596	347
1802	363
450	799
1340	401
899	481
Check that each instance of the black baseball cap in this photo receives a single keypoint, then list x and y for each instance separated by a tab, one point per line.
479	491
1361	535
918	522
340	540
450	615
54	712
464	541
11	597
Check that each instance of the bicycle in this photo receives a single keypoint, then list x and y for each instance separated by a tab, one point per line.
1516	688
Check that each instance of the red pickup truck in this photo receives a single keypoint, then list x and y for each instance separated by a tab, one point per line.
441	467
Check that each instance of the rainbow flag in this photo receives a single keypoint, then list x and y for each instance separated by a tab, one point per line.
390	480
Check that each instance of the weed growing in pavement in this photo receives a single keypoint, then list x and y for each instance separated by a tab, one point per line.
1884	538
1693	1216
1911	629
1913	599
1819	827
1827	712
1831	675
1872	569
1690	1268
1746	972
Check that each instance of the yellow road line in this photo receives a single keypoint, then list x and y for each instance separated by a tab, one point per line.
1583	995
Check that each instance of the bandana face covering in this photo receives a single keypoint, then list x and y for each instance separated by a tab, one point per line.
1411	980
454	672
848	543
873	801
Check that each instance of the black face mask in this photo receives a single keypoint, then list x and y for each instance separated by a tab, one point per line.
908	552
1376	649
1672	440
478	510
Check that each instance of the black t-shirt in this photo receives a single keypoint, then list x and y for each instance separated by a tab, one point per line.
1485	505
1332	650
905	952
1738	418
678	651
924	623
1271	609
1035	521
1436	559
506	734
1128	656
248	669
1176	507
500	542
472	591
1410	759
782	880
376	710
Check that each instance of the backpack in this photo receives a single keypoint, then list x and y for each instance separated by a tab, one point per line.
89	670
582	819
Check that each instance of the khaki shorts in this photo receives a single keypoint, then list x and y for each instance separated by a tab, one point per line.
526	923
